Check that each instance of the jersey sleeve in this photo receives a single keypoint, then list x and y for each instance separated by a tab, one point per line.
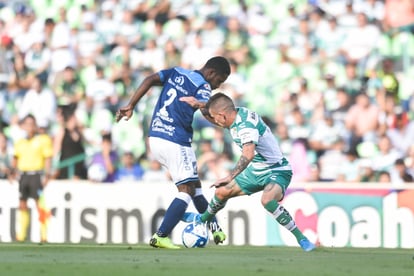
47	146
164	74
203	93
248	134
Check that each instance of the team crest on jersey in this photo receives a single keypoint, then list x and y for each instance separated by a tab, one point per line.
179	80
233	132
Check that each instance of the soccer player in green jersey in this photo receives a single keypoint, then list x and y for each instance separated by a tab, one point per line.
261	166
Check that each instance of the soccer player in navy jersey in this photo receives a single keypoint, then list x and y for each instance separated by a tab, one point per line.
170	136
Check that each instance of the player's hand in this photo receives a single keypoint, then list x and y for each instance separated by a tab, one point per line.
222	182
124	112
193	102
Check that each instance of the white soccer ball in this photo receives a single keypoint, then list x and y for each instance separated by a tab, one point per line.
195	235
97	173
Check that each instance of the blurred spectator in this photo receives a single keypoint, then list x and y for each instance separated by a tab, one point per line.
69	90
207	161
130	29
21	76
196	53
5	156
297	125
308	100
129	169
40	102
152	56
398	14
23	39
409	161
301	43
347	17
351	169
362	121
61	45
324	135
290	23
236	45
399	173
89	42
401	133
282	134
100	93
389	79
236	83
386	156
374	9
353	83
258	22
317	21
343	100
160	12
207	8
103	165
107	25
68	143
330	41
37	58
360	42
123	53
367	173
212	35
384	177
172	55
298	158
331	162
330	93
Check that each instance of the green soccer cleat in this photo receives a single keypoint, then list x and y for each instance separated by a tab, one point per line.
219	237
162	242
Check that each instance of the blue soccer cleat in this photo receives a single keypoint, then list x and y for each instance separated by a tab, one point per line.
191	217
306	245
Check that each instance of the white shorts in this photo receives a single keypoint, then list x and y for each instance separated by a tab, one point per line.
180	161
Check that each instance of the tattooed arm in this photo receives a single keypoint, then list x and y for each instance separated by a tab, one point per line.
247	156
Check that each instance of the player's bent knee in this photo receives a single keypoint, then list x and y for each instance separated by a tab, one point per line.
222	193
188	188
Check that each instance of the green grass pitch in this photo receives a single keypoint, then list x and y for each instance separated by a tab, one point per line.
117	260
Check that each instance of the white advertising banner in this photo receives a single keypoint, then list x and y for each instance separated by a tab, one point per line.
330	215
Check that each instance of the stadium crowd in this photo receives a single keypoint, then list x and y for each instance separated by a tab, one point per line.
333	79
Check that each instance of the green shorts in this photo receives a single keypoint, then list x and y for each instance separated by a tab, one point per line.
257	175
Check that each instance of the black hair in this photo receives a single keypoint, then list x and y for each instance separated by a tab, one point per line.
107	137
28	116
219	64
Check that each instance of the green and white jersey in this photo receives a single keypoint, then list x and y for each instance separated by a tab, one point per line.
249	127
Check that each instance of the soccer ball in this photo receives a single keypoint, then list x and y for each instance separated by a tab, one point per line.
97	173
195	235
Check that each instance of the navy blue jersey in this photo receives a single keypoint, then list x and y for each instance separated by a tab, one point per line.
172	119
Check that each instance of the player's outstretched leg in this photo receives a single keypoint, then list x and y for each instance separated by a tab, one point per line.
283	217
201	204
